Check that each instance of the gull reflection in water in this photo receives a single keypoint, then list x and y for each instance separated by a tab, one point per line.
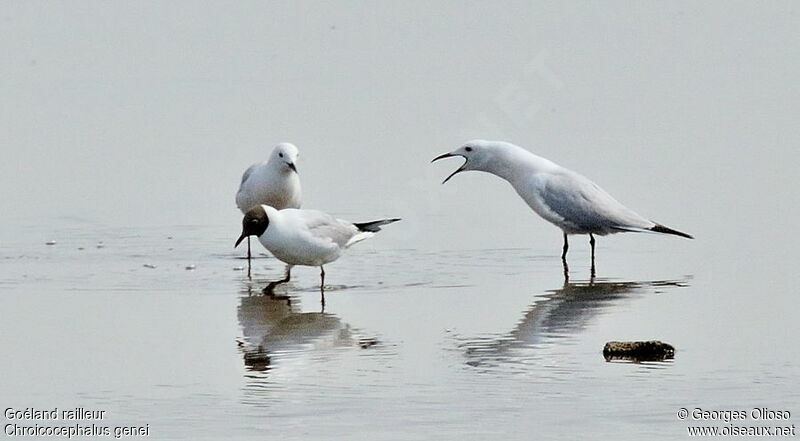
276	326
560	314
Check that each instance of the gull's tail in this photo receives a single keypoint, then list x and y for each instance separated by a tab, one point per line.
374	226
662	229
368	229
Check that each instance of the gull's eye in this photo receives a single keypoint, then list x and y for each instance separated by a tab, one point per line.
469	149
280	154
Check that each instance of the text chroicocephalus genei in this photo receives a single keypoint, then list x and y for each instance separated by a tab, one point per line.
561	196
274	182
304	237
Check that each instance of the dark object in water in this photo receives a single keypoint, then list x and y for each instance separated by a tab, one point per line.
365	343
652	350
257	360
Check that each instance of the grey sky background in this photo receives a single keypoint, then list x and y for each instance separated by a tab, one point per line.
147	113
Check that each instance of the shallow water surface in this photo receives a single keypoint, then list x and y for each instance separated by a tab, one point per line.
492	343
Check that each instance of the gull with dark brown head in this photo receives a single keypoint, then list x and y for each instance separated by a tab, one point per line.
304	237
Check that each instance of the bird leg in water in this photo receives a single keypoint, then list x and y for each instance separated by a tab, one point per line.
248	257
322	285
564	258
271	286
591	242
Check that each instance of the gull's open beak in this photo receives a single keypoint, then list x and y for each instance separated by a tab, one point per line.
442	156
240	239
448	155
292	166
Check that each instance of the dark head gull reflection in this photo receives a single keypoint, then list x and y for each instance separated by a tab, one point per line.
275	326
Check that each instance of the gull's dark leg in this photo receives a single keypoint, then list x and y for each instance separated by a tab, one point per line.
322	285
591	242
271	286
564	258
248	257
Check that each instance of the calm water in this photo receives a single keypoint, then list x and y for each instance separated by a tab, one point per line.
124	145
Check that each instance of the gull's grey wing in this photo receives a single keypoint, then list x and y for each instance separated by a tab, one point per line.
247	174
324	226
586	206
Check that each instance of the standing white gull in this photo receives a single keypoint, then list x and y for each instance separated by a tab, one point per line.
274	182
562	197
304	237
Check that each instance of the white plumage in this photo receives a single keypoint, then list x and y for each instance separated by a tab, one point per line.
561	196
305	237
274	182
308	237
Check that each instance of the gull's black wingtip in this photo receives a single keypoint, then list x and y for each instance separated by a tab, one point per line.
662	229
375	226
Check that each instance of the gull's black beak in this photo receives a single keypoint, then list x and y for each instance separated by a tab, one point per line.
292	166
448	155
240	239
442	156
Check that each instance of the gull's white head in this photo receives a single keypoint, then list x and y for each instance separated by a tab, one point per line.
479	155
284	155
